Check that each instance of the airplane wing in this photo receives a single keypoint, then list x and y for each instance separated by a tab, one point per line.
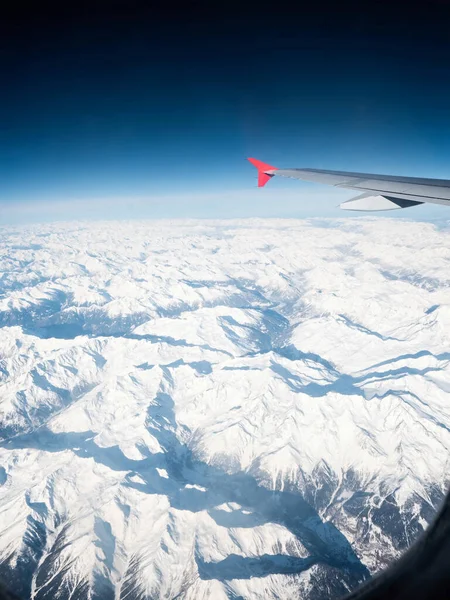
379	192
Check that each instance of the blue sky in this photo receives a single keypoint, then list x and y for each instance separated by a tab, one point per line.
112	118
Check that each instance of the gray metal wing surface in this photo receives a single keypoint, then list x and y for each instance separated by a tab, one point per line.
377	192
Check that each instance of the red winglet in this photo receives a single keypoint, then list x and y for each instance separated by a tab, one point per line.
263	177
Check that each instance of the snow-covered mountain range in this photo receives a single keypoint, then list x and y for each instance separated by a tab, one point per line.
253	409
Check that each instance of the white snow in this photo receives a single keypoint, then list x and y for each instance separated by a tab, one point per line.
159	380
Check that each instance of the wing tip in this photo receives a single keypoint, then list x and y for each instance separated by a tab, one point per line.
263	176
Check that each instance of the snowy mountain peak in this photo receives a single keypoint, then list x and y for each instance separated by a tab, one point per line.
255	409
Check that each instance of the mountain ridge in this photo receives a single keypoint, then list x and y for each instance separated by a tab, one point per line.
219	409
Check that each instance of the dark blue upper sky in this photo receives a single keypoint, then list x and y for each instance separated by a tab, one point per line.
158	103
